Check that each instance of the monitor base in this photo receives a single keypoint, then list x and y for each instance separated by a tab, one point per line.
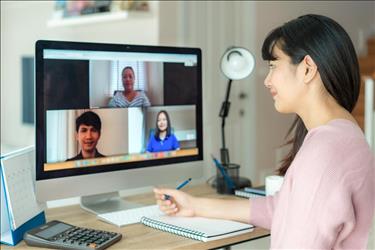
105	203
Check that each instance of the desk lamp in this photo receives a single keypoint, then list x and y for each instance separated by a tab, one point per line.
237	63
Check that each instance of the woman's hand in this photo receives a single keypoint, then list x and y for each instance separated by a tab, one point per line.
179	203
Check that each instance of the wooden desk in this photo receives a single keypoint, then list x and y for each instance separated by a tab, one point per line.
138	236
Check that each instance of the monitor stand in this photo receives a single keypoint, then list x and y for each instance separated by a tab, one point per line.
105	203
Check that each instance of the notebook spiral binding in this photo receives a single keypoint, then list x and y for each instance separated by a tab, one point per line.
173	229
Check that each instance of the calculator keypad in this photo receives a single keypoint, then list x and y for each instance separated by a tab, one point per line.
60	235
84	237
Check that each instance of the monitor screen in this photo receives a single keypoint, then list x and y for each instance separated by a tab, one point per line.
104	108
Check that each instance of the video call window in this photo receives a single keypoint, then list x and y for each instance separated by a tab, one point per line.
106	80
129	113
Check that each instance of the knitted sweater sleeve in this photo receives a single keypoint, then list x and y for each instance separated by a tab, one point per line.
261	210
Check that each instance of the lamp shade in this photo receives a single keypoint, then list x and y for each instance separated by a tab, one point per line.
237	63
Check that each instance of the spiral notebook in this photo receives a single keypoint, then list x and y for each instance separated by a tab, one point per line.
197	228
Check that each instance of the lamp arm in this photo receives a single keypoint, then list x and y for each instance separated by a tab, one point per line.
223	114
225	106
228	91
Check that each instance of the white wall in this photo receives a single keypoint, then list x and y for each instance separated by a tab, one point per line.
100	80
114	126
155	86
25	22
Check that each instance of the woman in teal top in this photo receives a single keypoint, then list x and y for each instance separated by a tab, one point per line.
163	139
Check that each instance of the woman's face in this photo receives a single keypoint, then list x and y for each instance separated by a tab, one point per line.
162	122
128	79
285	82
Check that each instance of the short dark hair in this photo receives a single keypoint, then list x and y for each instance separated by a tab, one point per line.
89	118
128	67
157	131
328	44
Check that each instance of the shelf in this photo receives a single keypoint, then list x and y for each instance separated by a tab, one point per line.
185	135
87	19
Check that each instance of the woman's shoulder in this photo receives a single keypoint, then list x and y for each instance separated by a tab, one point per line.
339	145
173	136
118	95
336	131
118	100
141	94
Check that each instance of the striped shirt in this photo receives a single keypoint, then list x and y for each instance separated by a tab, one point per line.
119	100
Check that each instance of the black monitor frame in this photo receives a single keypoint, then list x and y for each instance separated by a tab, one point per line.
40	114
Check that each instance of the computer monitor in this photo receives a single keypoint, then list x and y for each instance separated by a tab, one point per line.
111	117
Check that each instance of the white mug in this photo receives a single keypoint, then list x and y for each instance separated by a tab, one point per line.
273	184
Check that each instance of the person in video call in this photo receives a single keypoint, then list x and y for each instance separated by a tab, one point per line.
328	195
163	139
129	97
88	126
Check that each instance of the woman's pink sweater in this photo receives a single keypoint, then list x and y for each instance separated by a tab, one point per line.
328	196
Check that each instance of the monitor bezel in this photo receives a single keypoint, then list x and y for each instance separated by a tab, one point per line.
40	114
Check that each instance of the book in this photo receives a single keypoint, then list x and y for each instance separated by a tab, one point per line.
244	194
198	228
257	190
251	192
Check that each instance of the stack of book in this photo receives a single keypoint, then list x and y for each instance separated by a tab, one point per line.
251	192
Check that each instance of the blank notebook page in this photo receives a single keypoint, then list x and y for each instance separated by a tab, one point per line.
129	216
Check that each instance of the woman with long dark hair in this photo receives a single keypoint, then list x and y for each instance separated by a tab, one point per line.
163	139
328	196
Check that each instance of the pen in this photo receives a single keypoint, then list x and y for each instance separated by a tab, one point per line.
227	179
167	197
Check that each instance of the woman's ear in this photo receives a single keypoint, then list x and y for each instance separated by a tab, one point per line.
310	69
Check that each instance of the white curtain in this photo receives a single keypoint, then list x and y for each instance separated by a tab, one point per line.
136	130
61	142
